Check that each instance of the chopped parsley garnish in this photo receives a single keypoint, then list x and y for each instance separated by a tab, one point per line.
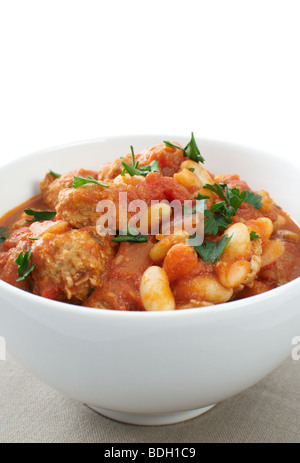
79	181
211	251
39	216
218	216
141	170
221	213
54	174
132	235
200	196
232	196
23	265
3	235
34	238
98	241
254	236
191	150
253	199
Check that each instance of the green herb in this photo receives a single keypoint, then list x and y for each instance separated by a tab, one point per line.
39	216
253	199
79	181
23	265
217	217
220	215
211	251
132	235
191	150
141	170
200	196
254	236
34	238
232	196
191	169
54	174
98	241
3	235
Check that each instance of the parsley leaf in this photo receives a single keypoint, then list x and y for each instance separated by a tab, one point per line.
216	188
152	167
254	236
253	199
54	174
211	251
191	150
132	235
221	213
23	265
200	196
232	196
79	181
141	170
216	217
39	216
98	241
3	235
34	238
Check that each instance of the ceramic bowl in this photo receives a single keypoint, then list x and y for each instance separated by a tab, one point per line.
145	367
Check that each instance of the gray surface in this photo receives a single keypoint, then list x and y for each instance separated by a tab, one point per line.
33	412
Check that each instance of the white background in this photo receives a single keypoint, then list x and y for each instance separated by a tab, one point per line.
79	69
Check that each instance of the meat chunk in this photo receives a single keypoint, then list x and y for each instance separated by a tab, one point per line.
285	268
51	186
169	158
15	237
67	265
120	286
9	269
78	206
112	169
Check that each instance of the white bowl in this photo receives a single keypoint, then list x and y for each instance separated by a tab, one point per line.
151	368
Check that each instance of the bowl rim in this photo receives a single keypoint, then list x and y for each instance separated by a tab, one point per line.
91	311
210	310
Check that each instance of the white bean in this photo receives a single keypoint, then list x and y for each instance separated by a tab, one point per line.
239	245
155	290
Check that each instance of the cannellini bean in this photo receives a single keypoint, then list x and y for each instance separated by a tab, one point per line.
239	245
280	222
266	226
262	226
202	174
204	191
272	250
155	290
267	202
153	217
126	179
288	235
233	275
188	179
160	249
204	288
